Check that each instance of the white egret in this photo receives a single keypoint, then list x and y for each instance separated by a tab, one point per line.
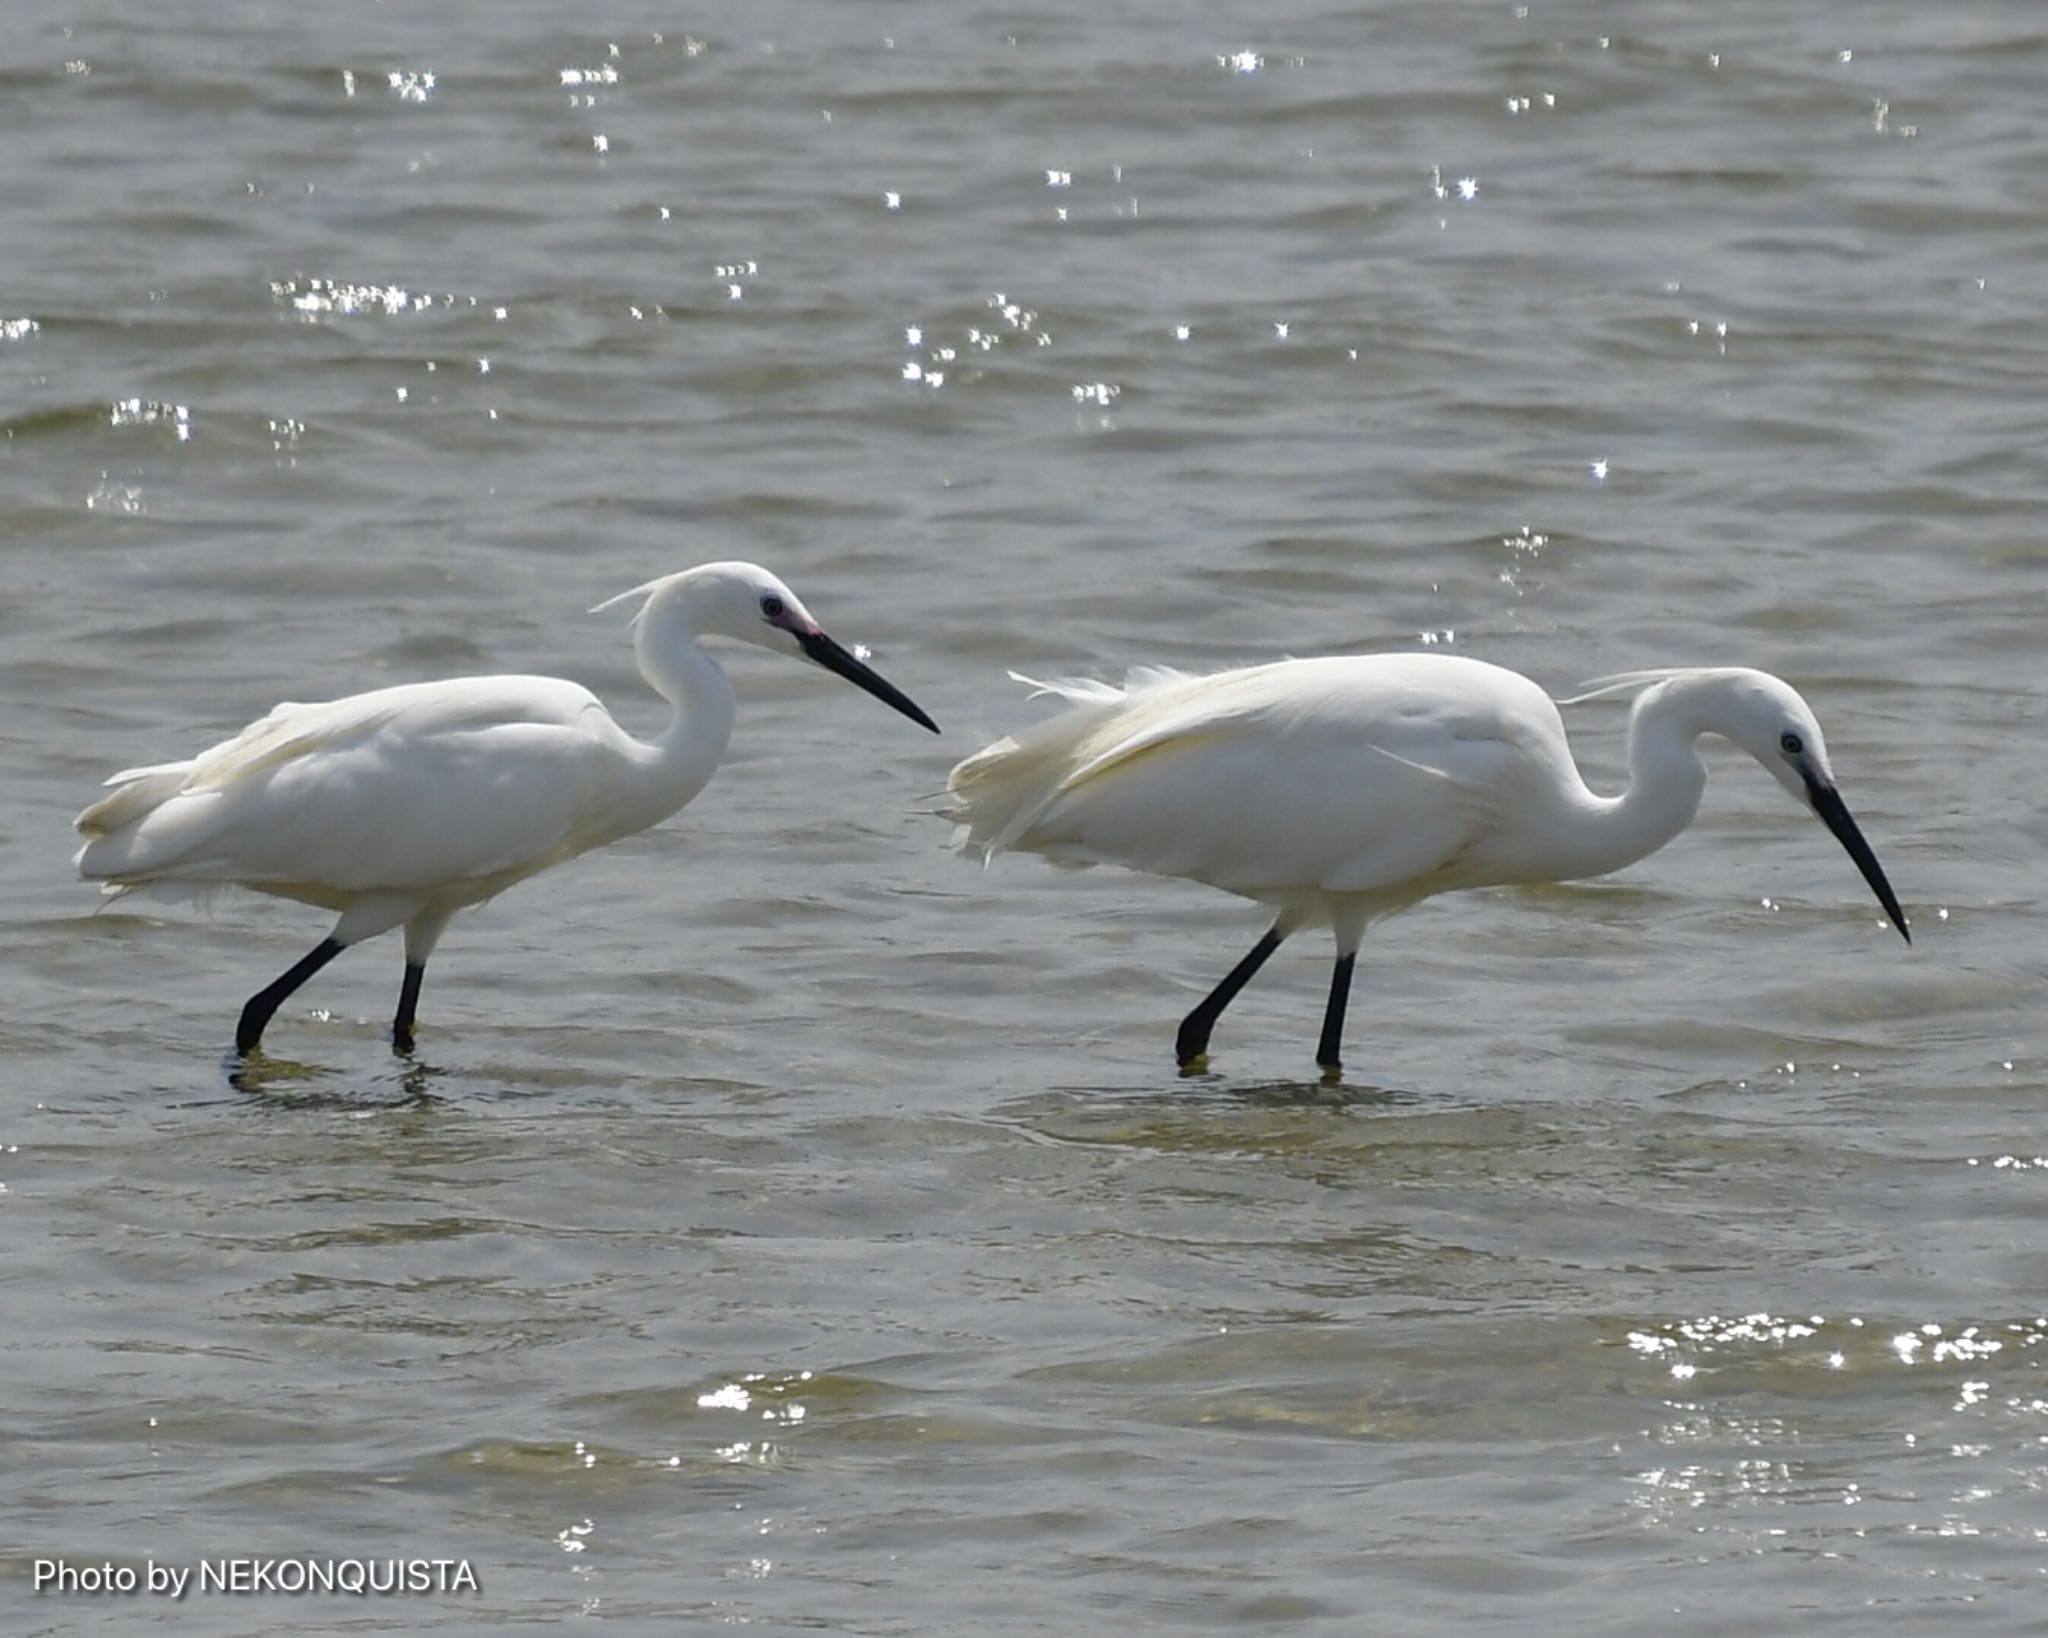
1338	791
399	807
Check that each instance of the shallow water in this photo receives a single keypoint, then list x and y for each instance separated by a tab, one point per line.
786	1223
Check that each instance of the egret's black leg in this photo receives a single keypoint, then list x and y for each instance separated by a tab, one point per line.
1193	1041
408	1005
268	999
1330	1048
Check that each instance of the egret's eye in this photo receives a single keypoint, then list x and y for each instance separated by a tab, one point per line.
1791	744
771	606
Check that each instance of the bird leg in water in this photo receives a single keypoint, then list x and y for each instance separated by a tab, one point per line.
1330	1048
408	1005
268	999
1192	1044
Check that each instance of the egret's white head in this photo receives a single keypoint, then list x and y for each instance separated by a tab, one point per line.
1767	718
745	602
742	601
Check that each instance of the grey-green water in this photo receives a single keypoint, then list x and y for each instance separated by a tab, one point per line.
789	1224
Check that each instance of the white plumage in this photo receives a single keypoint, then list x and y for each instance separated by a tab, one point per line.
469	780
401	806
1340	790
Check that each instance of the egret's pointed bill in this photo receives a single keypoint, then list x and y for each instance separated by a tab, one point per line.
836	660
1834	813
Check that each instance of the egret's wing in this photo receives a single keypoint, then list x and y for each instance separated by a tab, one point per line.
1258	811
1355	775
397	789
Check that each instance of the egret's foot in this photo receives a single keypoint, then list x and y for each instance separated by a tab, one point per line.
1191	1044
1331	1071
408	1005
249	1029
263	1005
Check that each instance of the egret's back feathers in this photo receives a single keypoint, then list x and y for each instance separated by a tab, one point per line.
1290	778
394	790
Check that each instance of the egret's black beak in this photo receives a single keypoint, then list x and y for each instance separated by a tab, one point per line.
1834	813
836	660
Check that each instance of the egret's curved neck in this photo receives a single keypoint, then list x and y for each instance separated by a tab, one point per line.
1666	778
682	760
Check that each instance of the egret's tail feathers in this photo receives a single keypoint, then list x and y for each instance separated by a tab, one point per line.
994	794
997	792
1000	792
152	831
200	896
137	791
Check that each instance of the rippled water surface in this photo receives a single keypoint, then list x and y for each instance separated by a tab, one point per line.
786	1223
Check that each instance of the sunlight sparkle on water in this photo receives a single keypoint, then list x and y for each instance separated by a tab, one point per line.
314	297
757	1386
136	412
1737	1457
122	497
1016	319
572	1539
410	86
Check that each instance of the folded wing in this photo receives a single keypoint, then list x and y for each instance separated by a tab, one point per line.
1351	775
400	789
